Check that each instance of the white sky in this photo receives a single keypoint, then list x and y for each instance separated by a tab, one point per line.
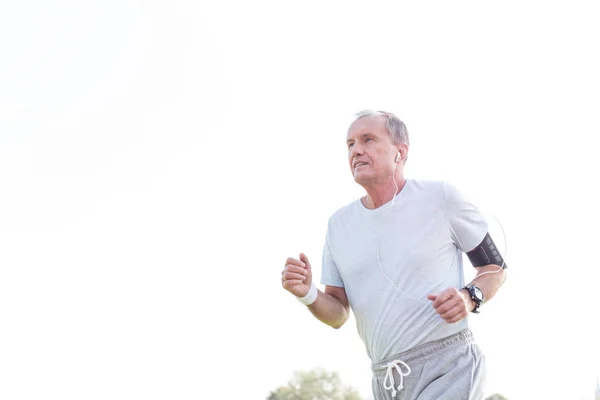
160	160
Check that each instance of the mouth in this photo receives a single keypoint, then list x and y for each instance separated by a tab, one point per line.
359	164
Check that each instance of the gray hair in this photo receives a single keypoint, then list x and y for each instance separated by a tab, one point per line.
394	125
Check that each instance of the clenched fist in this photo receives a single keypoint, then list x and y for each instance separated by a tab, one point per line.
296	277
451	304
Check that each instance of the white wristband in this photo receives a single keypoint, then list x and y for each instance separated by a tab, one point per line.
310	297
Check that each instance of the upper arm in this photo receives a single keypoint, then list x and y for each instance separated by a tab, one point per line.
466	223
331	277
330	274
486	254
339	293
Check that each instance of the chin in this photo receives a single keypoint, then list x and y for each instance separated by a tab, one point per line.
360	179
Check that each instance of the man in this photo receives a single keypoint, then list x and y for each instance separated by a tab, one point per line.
394	258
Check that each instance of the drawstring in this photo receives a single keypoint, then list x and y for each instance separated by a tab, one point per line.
389	375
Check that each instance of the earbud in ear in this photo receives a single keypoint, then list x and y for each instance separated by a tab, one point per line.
398	156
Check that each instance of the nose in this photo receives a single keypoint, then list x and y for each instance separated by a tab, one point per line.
355	150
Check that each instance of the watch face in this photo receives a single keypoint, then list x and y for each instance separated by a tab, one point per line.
478	292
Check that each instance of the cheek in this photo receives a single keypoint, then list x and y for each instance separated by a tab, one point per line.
384	156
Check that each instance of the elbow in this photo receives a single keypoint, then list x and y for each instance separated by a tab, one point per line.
337	325
340	322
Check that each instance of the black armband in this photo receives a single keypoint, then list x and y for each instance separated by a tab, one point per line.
486	253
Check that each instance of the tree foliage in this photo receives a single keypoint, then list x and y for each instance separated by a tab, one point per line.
316	384
496	396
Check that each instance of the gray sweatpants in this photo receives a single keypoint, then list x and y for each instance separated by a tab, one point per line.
452	368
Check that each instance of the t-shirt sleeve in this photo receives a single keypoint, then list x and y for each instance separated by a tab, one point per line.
467	225
330	275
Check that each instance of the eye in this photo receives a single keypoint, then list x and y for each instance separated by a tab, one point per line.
368	139
350	145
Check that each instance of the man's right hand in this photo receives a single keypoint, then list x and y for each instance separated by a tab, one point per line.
330	307
296	277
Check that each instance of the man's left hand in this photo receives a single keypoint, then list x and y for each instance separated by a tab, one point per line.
452	304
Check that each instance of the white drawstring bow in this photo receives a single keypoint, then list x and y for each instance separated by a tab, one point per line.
389	375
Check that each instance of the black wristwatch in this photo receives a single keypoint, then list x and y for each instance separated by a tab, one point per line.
476	295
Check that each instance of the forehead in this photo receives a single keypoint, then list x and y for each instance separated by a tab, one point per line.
372	124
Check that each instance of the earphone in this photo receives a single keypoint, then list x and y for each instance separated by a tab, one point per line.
479	274
449	269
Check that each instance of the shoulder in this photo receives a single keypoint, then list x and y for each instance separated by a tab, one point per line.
426	184
426	188
441	192
454	194
442	188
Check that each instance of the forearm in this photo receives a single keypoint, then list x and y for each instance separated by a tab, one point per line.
489	283
329	310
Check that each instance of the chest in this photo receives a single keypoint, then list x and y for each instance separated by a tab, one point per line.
404	244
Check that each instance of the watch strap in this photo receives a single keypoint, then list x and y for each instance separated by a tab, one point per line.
471	289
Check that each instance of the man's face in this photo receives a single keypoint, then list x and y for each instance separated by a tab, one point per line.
371	153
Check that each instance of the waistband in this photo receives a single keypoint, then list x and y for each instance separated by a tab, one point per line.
423	350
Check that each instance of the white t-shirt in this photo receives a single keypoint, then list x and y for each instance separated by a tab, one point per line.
390	258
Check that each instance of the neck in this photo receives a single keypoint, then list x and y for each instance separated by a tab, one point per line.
379	194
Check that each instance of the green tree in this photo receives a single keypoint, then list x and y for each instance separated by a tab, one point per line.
316	384
496	396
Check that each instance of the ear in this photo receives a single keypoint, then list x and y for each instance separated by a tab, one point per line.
403	152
